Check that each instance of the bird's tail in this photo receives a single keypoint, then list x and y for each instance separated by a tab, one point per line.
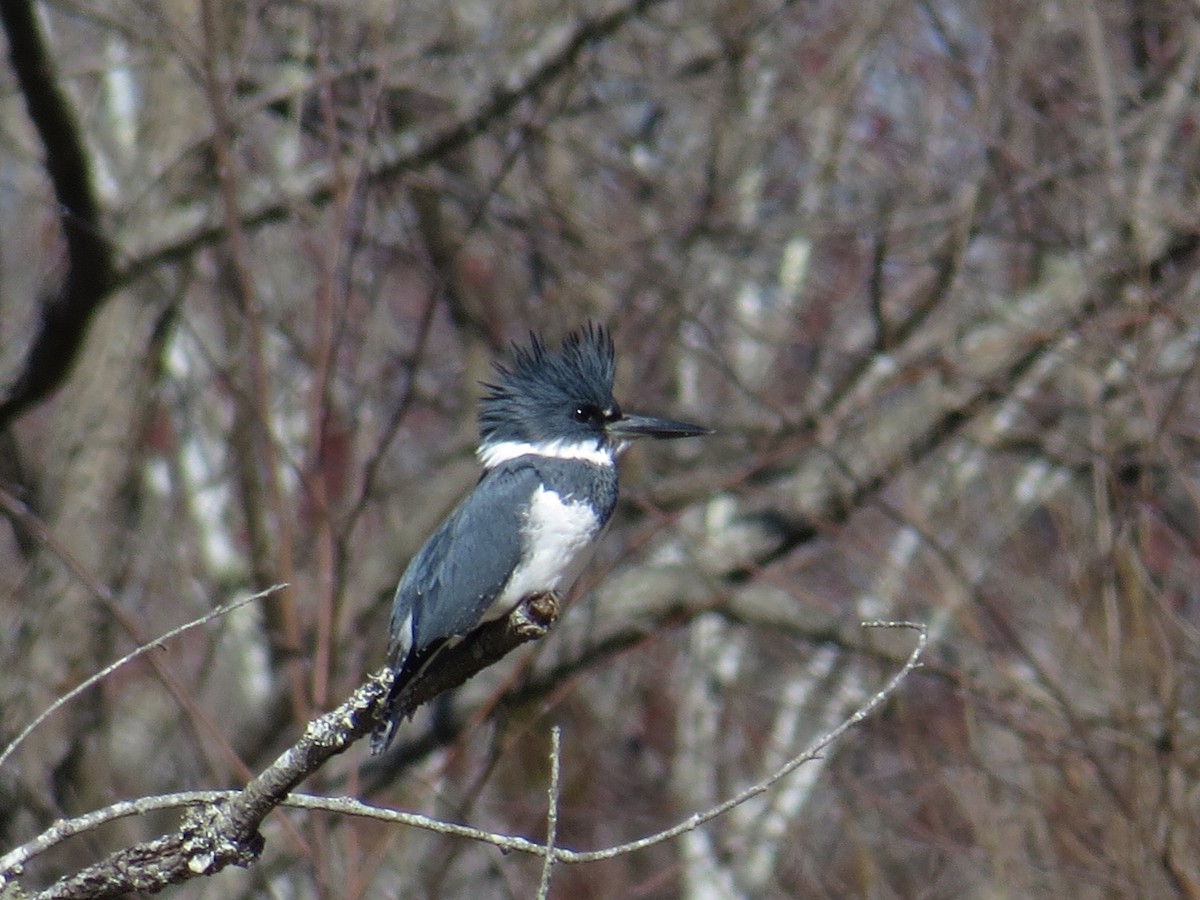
381	737
390	713
399	706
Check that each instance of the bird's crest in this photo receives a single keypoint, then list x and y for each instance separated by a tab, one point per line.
539	383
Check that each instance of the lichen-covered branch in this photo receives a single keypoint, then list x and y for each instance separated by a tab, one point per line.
213	836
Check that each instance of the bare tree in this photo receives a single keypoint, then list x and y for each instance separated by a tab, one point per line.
929	268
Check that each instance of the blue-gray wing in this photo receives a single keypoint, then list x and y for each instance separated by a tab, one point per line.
450	583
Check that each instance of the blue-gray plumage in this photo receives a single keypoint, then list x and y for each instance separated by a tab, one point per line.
550	433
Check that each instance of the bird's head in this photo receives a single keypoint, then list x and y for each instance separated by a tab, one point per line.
560	403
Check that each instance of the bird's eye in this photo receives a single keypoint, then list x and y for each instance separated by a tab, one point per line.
587	414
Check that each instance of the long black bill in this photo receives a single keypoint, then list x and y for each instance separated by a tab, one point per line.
628	427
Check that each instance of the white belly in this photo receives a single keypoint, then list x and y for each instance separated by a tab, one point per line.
557	539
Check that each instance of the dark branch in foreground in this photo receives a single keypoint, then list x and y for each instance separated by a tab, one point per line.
213	836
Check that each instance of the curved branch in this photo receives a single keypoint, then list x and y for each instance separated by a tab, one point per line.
349	719
215	835
90	267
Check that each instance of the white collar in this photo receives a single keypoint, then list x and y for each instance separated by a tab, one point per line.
493	453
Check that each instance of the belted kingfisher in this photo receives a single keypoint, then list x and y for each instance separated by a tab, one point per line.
550	433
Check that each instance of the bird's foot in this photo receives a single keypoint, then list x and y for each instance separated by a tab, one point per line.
535	614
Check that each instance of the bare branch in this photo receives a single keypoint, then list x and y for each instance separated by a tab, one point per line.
696	820
215	835
109	669
222	826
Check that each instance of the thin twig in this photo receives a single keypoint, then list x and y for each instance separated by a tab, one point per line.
551	813
109	669
205	728
509	843
697	819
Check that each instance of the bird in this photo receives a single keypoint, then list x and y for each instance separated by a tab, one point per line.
550	434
